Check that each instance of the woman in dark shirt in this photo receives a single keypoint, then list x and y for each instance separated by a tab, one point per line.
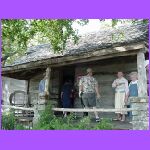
66	95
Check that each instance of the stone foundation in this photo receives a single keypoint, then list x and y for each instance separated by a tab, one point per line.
39	106
140	116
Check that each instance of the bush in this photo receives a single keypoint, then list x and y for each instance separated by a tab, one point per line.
105	124
48	121
19	127
8	121
45	119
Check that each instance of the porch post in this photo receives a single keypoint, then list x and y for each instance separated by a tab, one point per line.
142	79
140	118
42	101
28	94
47	83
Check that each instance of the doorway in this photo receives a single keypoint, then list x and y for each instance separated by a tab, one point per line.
66	74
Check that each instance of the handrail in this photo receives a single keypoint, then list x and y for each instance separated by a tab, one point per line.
79	109
96	109
19	108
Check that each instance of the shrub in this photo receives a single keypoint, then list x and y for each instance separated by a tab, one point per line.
19	127
48	121
105	124
8	121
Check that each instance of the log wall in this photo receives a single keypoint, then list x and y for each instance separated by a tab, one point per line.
104	71
9	85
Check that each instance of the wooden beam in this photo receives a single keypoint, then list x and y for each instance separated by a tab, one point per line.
142	80
19	108
47	81
63	62
28	87
85	57
96	109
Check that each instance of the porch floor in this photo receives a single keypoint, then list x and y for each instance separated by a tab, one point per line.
117	125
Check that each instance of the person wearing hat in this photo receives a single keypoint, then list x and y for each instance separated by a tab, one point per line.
88	86
133	88
133	85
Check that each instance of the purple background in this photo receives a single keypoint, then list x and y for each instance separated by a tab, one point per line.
74	139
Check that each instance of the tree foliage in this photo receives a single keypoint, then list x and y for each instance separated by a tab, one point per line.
133	21
16	34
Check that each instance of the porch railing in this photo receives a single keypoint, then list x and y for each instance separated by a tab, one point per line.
96	110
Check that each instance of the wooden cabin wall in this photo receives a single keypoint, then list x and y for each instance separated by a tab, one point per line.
34	87
10	85
54	87
105	73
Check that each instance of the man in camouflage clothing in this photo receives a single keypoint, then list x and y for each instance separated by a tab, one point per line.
88	86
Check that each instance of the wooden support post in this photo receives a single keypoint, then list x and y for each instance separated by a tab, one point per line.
142	81
47	82
28	94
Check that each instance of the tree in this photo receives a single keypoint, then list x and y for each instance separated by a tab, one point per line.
16	34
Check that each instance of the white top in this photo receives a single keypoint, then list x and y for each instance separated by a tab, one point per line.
123	85
133	82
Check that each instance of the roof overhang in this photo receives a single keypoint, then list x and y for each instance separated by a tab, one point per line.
28	68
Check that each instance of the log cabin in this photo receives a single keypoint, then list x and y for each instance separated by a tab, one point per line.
106	52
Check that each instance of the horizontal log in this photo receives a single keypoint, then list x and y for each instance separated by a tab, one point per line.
96	110
68	60
18	108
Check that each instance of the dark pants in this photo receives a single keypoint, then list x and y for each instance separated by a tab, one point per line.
88	100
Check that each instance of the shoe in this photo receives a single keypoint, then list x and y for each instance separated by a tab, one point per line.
65	115
97	119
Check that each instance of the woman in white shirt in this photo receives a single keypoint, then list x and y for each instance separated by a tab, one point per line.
121	91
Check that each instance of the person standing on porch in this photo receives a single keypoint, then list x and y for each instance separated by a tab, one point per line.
88	86
66	95
121	91
133	88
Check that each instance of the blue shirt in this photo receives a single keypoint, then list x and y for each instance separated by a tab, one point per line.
133	89
42	86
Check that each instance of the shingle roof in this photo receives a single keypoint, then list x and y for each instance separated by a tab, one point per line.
90	42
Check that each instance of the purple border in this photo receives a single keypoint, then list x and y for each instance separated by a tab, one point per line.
74	9
74	139
149	74
0	77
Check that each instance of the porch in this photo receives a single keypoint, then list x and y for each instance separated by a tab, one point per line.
105	65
